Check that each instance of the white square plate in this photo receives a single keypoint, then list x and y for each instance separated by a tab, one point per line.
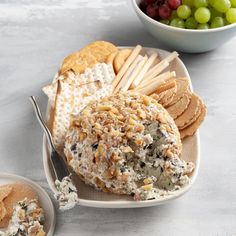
88	196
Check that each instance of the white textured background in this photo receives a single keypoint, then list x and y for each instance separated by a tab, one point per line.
36	35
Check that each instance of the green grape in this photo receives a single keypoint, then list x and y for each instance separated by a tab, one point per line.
176	22
211	2
231	15
203	26
200	3
188	2
233	3
217	22
226	22
191	23
183	11
166	22
202	15
173	15
222	5
193	11
215	13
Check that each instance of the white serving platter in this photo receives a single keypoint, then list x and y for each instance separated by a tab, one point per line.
90	197
44	199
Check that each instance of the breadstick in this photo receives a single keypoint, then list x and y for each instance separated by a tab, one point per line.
155	83
144	70
156	71
156	61
171	56
126	65
168	73
151	88
160	67
128	73
134	73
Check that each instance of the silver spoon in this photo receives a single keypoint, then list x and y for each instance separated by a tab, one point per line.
67	195
58	162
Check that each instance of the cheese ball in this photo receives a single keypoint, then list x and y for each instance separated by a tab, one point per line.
127	144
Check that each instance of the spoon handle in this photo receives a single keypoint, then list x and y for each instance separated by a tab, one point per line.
41	122
58	162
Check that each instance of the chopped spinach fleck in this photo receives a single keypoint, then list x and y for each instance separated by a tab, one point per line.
73	147
142	164
95	146
122	169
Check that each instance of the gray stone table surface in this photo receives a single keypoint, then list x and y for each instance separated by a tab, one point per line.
36	35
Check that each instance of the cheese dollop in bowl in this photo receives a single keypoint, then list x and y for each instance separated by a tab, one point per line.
186	40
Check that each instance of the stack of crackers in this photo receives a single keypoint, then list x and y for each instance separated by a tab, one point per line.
101	69
185	107
83	77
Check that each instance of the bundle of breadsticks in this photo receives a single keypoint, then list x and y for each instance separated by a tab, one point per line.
152	75
100	69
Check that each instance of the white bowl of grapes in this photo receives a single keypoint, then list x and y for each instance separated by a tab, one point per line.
192	26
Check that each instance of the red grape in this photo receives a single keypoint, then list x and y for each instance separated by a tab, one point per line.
152	11
150	1
173	4
160	2
164	12
143	5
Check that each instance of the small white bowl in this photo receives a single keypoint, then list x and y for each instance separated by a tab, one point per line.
186	40
44	199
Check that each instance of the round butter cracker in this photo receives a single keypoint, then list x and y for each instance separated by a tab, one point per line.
179	107
87	57
3	211
5	190
190	114
120	58
182	88
168	97
191	129
201	105
111	57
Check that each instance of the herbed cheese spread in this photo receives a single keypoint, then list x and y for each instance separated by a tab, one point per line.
127	144
67	195
27	219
